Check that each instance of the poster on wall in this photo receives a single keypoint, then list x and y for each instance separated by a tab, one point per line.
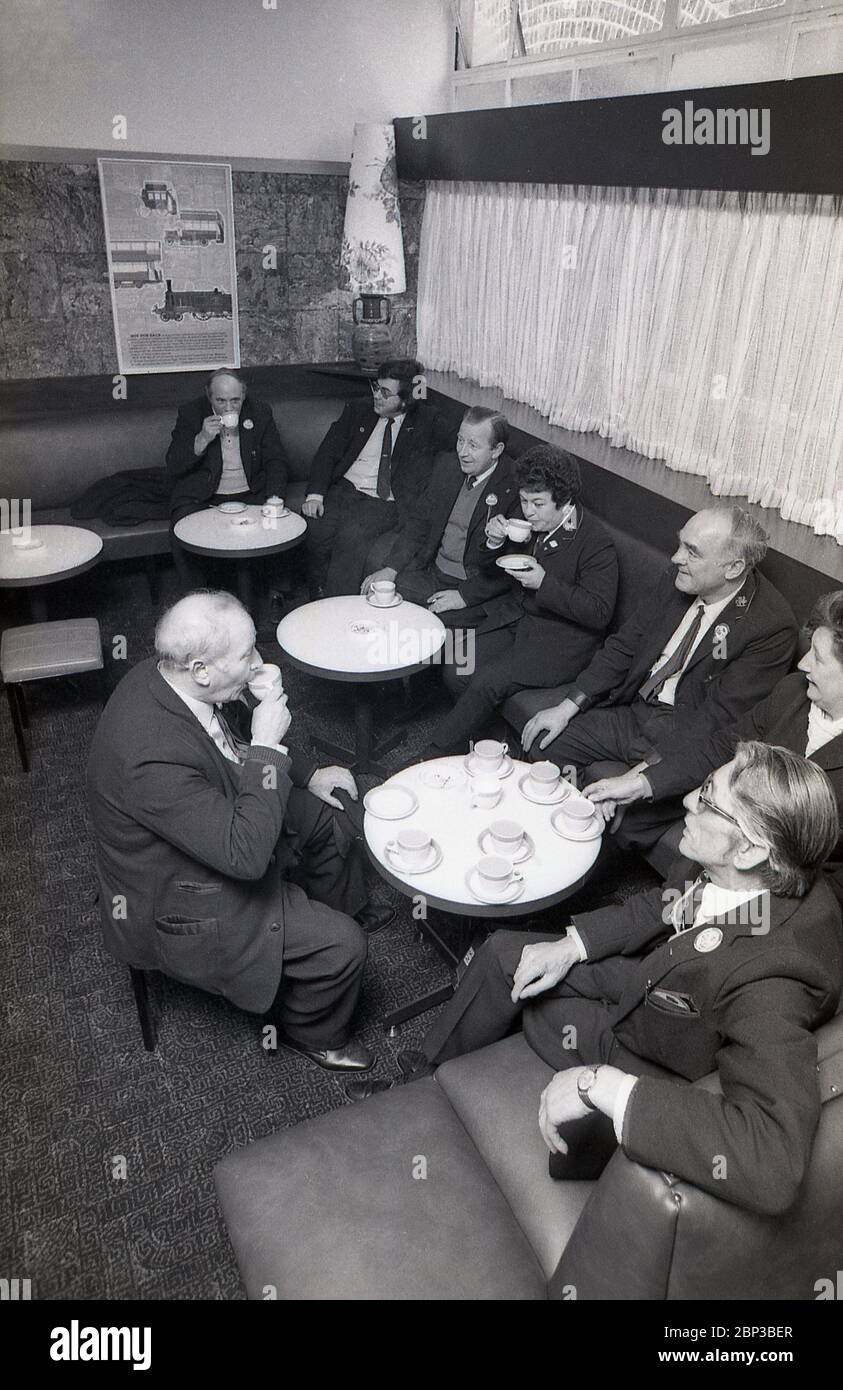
169	230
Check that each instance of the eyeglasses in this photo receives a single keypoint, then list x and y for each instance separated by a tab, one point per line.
704	800
378	390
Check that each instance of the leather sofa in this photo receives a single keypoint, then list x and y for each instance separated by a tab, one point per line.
440	1190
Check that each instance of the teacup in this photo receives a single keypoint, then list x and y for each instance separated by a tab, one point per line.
544	778
485	791
267	682
275	508
488	755
382	592
230	419
411	846
578	810
519	531
506	838
496	875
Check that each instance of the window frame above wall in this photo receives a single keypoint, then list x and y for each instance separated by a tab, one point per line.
783	25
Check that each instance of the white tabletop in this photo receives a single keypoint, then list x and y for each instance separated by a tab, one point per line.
348	638
555	867
219	533
66	550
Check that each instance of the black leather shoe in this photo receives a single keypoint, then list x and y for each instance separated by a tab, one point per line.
375	917
350	1057
362	1090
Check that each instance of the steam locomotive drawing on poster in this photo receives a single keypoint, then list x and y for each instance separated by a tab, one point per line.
198	228
199	304
159	197
136	263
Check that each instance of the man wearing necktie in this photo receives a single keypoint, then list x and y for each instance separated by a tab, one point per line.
219	860
373	464
732	965
676	669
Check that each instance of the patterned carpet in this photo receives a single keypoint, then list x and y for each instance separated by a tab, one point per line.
108	1151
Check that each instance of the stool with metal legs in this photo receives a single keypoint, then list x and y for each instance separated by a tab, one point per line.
42	651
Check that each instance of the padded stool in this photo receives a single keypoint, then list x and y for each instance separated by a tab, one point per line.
41	651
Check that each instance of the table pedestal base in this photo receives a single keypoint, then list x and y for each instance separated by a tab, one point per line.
473	928
364	757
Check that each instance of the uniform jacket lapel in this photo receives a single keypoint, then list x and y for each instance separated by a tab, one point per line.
733	618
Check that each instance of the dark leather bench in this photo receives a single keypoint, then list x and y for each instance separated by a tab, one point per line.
440	1190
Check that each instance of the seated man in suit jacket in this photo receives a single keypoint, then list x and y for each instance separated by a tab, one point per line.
438	555
225	448
372	465
804	713
199	837
677	669
555	609
732	965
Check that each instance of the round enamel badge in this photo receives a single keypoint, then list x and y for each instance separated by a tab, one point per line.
708	939
721	632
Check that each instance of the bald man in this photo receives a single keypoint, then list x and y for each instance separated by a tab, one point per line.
225	448
708	643
219	860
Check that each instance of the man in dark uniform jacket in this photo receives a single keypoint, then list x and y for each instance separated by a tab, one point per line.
225	448
200	837
803	713
677	669
555	609
732	965
373	464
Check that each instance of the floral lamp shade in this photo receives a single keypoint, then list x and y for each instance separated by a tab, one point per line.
372	257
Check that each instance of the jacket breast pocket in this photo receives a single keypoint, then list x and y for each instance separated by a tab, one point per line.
668	1029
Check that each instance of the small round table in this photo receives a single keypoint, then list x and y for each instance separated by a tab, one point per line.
66	551
351	640
554	870
224	536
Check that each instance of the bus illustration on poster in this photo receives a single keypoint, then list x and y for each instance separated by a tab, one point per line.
169	231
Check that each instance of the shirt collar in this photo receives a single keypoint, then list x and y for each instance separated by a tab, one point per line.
713	610
481	477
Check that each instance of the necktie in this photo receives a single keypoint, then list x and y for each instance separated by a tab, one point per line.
649	691
384	485
229	744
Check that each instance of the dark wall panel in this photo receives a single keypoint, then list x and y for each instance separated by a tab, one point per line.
617	142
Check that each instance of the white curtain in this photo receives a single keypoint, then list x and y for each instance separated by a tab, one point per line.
701	328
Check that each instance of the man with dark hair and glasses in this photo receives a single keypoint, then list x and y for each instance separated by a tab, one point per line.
373	464
731	965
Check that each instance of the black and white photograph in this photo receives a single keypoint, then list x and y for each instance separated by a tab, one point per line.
421	641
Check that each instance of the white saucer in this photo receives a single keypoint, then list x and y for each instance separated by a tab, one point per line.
231	508
513	891
434	858
561	792
32	543
592	829
513	564
501	772
526	850
442	779
275	511
393	602
392	802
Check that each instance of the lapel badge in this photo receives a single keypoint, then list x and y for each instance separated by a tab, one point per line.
721	632
248	424
741	601
491	500
551	545
708	939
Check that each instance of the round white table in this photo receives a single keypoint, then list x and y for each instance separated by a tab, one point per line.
351	640
66	551
554	870
245	535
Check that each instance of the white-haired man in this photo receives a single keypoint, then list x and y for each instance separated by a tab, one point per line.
200	836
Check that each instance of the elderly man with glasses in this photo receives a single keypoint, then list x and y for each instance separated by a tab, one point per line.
731	965
373	466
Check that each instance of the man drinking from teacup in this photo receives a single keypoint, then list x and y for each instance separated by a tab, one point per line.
225	448
206	825
731	966
562	577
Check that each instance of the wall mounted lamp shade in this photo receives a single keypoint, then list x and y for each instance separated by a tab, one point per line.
372	257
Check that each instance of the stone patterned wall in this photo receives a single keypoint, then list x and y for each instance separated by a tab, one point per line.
55	307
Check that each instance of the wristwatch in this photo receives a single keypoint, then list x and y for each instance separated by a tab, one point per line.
585	1082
